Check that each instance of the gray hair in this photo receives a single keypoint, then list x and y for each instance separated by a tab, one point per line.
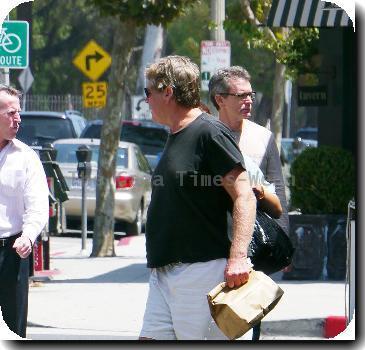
181	74
220	81
10	90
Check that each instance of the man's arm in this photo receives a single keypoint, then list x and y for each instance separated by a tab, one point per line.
273	174
237	185
36	206
267	201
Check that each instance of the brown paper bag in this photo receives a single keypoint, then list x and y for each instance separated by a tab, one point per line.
237	310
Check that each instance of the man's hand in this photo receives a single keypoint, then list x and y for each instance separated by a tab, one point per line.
236	272
23	246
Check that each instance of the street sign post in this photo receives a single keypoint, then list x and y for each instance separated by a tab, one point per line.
214	55
92	60
25	80
14	45
94	94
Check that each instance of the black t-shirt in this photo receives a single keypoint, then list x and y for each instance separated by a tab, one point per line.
187	216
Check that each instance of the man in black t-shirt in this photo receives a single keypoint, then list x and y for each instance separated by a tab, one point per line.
199	177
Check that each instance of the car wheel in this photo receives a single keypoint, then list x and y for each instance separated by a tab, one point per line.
135	228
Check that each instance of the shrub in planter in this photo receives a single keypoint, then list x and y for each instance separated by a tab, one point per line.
322	183
322	180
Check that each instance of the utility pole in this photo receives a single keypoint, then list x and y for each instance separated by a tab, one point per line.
217	14
4	76
5	72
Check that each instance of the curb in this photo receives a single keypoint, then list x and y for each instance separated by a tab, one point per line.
324	328
302	328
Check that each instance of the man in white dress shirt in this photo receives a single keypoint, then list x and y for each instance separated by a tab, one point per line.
23	212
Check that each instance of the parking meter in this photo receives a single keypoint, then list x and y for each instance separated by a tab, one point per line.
83	155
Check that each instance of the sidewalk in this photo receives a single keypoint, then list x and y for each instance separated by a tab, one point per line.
104	298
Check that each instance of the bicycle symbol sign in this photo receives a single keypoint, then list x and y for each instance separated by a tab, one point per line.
14	44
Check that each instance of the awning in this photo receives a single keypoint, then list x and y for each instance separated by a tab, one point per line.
307	13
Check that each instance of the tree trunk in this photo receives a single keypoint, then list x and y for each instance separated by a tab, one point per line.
103	237
278	103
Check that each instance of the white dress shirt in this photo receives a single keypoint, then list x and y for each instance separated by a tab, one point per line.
24	192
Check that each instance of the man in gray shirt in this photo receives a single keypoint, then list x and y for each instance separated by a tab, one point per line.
231	93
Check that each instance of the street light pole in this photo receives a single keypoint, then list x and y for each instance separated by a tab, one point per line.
217	10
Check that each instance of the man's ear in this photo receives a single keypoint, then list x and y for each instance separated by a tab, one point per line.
169	91
218	99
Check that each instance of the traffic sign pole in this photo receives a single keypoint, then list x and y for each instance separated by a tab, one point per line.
25	80
6	70
7	76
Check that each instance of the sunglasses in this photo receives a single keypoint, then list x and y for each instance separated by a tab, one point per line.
147	92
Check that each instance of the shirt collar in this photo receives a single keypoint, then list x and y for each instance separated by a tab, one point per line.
16	143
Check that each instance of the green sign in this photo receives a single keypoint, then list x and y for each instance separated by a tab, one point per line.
14	44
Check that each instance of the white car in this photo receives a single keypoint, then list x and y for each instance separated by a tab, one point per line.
132	181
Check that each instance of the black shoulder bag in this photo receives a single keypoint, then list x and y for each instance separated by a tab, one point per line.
270	249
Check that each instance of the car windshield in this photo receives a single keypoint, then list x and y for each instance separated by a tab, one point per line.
151	140
66	153
307	134
92	132
35	130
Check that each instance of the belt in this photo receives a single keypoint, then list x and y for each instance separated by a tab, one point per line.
5	241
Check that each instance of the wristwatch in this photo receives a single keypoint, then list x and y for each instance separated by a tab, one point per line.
261	194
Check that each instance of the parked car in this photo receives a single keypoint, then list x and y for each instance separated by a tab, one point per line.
148	135
39	127
132	179
307	133
291	147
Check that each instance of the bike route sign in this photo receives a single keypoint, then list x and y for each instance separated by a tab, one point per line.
14	45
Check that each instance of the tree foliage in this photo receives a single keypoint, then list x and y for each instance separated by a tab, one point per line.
60	29
186	32
144	11
292	47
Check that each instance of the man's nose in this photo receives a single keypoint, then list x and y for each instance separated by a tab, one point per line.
17	118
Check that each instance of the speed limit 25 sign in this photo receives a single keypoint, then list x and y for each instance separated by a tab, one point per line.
94	94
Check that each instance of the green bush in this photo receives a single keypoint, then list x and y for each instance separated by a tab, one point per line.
322	180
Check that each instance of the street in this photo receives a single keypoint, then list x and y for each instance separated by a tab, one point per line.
104	298
113	293
82	298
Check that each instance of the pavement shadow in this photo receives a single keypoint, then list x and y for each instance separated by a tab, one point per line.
134	273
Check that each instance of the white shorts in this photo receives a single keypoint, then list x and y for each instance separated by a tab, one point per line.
177	306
